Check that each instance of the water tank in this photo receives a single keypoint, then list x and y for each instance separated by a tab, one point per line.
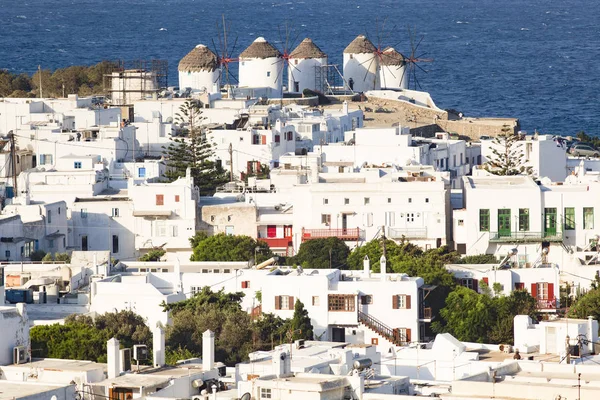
362	363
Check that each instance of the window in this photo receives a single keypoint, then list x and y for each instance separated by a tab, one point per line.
229	230
77	165
51	243
142	172
588	217
401	301
461	222
115	212
174	231
176	198
410	199
160	200
325	201
469	283
49	216
541	291
570	218
115	243
212	218
245	284
454	159
265	393
523	219
426	199
367	201
83	213
45	159
315	301
484	220
519	286
341	302
326	219
389	200
1	276
160	228
269	74
366	299
277	139
195	289
58	210
346	201
7	254
368	219
284	302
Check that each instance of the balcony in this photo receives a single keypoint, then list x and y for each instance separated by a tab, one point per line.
278	243
525	237
408	233
349	234
546	304
425	314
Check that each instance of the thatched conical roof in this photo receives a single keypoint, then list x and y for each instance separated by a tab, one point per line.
260	48
360	45
392	57
307	49
201	58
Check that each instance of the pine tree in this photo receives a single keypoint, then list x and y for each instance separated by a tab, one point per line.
507	155
300	326
193	149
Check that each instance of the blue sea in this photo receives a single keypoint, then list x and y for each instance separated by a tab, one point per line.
537	60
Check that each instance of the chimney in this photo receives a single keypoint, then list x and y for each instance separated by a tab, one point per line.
113	356
177	272
95	263
281	363
383	268
367	266
592	333
158	345
208	350
345	107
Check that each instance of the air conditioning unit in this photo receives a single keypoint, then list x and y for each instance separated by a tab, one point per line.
140	352
126	360
19	355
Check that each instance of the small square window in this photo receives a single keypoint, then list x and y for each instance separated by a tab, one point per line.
410	200
176	198
315	301
346	201
268	73
77	164
461	222
389	200
115	212
325	201
367	201
212	218
83	213
426	199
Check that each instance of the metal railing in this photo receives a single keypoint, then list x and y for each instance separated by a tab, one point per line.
546	304
393	335
524	237
344	234
409	233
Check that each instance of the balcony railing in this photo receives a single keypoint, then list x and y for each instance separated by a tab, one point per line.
425	313
277	243
409	233
344	234
545	304
525	237
391	334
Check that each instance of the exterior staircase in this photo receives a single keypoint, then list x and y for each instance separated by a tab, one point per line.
390	334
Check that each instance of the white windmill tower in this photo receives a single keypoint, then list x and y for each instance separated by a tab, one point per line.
259	66
392	73
361	67
199	70
303	62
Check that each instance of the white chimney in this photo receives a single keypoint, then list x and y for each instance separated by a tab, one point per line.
113	358
281	363
345	107
208	350
177	272
383	268
592	333
367	266
158	345
95	262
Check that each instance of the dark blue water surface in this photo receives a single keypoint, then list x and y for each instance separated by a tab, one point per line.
537	60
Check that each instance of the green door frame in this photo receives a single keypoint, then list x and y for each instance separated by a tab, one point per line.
504	228
550	222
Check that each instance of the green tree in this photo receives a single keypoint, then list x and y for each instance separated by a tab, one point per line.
223	247
322	253
587	305
507	155
153	255
585	138
478	259
197	238
505	308
300	327
193	150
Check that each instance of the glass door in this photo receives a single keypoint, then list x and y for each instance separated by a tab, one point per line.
549	222
504	222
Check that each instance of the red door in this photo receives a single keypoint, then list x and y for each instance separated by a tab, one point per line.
271	231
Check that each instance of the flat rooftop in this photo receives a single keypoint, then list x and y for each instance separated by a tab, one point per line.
56	364
501	183
14	390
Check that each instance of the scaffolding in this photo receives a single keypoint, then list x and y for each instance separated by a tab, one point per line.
330	81
136	80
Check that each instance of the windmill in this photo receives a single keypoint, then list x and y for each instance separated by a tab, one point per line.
413	60
286	45
225	54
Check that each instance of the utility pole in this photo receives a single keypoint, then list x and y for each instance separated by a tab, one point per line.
40	74
13	158
230	162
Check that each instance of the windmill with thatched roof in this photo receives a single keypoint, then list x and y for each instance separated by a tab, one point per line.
199	70
361	67
260	66
304	61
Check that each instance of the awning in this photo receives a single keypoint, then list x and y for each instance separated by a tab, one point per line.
152	213
54	235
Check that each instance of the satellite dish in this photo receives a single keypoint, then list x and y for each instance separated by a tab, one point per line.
169	120
246	396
